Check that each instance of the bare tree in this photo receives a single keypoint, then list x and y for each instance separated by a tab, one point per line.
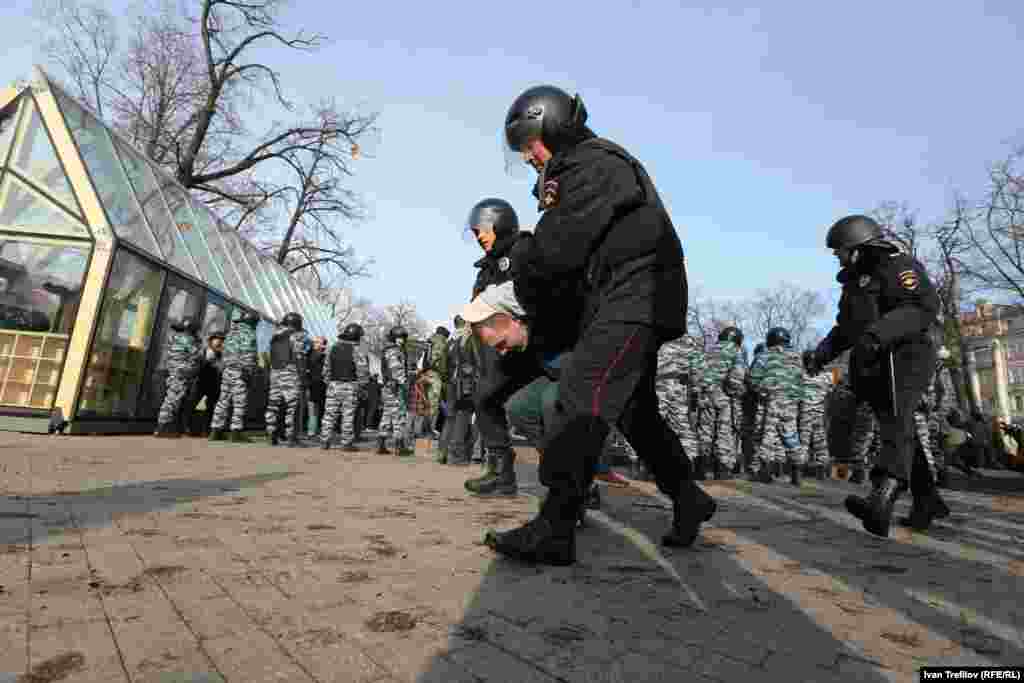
178	90
784	305
707	317
994	231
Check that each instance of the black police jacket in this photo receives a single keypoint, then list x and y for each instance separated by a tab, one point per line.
494	267
605	248
890	297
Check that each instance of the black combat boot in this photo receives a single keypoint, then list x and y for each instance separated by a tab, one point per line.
350	448
776	469
167	431
857	475
217	435
765	474
238	436
875	510
273	438
691	508
927	503
293	440
593	497
942	478
503	481
382	446
794	474
325	445
548	538
821	472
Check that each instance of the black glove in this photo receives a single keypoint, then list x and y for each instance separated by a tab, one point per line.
868	349
813	362
520	254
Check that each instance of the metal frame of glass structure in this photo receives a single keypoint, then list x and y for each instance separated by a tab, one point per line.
66	177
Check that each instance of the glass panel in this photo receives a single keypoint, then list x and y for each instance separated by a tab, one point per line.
35	157
213	241
177	201
269	285
108	177
144	185
282	286
171	241
233	249
274	275
25	210
115	369
40	289
8	124
245	255
181	299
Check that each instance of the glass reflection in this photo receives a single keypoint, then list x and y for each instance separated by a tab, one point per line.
40	289
116	366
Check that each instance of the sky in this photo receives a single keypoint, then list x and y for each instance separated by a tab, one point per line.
760	126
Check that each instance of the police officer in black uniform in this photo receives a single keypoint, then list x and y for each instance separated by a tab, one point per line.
603	275
887	307
495	225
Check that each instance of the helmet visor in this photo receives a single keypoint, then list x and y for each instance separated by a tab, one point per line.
517	160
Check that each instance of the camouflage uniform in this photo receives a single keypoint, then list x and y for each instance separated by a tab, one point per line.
754	413
778	380
811	424
722	385
394	395
346	372
239	364
945	400
285	380
922	417
183	359
680	365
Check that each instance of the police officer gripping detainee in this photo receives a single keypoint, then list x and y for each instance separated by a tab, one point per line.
888	305
602	275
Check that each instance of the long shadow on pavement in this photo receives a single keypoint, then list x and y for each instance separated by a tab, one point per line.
962	579
630	610
30	519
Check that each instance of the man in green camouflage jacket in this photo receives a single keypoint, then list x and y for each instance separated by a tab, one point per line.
778	380
722	385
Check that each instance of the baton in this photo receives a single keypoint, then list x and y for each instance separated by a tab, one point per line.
892	383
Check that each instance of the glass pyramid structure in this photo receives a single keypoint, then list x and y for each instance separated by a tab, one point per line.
65	174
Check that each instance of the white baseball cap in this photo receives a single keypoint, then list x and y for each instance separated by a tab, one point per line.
493	300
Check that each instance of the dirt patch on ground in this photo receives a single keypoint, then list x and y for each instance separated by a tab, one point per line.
391	621
55	669
381	545
164	571
12	549
320	527
346	558
1008	504
354	577
148	533
496	517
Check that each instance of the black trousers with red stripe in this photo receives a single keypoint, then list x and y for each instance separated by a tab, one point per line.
609	379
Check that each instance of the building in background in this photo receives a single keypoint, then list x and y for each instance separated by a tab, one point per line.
987	323
100	250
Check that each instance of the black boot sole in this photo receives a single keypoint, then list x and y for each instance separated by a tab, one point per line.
555	553
681	537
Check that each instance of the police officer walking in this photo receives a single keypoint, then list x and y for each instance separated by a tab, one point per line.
603	275
183	359
887	307
288	377
240	362
394	393
346	371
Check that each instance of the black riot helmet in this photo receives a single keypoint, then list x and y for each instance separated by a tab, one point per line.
246	317
397	332
759	349
443	331
353	332
186	324
778	336
292	320
494	214
853	231
546	113
731	333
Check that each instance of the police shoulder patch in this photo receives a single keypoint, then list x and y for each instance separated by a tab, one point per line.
504	264
864	281
908	280
549	195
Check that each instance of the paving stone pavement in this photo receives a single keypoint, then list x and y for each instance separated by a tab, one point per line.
145	560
